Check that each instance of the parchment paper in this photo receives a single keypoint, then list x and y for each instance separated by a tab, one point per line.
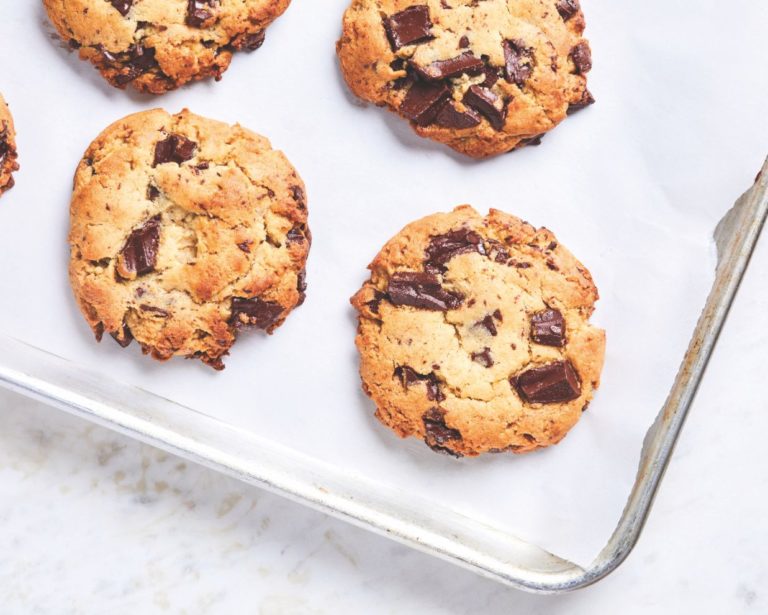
633	186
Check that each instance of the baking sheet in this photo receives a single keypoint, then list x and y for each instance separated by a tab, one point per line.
633	186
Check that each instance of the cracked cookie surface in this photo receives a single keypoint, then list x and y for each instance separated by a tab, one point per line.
474	334
481	76
183	231
159	45
8	154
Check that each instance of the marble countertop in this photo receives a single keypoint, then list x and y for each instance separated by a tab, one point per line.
92	522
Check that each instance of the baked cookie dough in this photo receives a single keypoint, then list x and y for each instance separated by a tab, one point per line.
183	231
8	153
483	77
474	334
159	45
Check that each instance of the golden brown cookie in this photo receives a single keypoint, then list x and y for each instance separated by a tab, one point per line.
474	334
159	45
483	77
183	231
8	153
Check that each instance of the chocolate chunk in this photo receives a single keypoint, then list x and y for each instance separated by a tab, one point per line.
442	248
122	6
485	102
463	42
548	384
483	358
375	303
154	310
548	328
296	234
497	252
198	12
245	246
250	41
174	148
137	60
582	57
445	69
301	286
517	61
297	192
492	75
421	290
139	254
124	337
423	101
567	8
5	145
531	141
409	376
586	100
254	313
489	324
408	27
152	192
450	117
438	434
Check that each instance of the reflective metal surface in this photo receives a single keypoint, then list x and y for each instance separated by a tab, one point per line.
440	532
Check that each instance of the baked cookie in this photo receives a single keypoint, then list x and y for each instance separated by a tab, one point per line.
159	45
183	231
8	153
474	334
482	76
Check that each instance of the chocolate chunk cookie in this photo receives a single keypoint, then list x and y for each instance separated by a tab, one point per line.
184	231
8	153
482	76
159	45
474	334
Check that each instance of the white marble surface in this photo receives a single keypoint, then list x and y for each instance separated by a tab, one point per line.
91	522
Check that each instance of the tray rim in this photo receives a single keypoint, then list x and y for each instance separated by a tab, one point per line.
444	533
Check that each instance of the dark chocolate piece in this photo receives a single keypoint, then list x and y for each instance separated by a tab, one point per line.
438	434
254	312
489	324
139	254
483	358
485	101
421	290
409	376
174	148
567	8
250	41
138	60
122	6
124	337
586	100
464	42
152	192
296	234
301	286
423	101
582	58
198	12
518	61
548	328
442	248
548	384
408	27
445	69
532	141
450	117
154	310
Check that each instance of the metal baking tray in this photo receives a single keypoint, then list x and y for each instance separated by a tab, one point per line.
636	206
432	529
